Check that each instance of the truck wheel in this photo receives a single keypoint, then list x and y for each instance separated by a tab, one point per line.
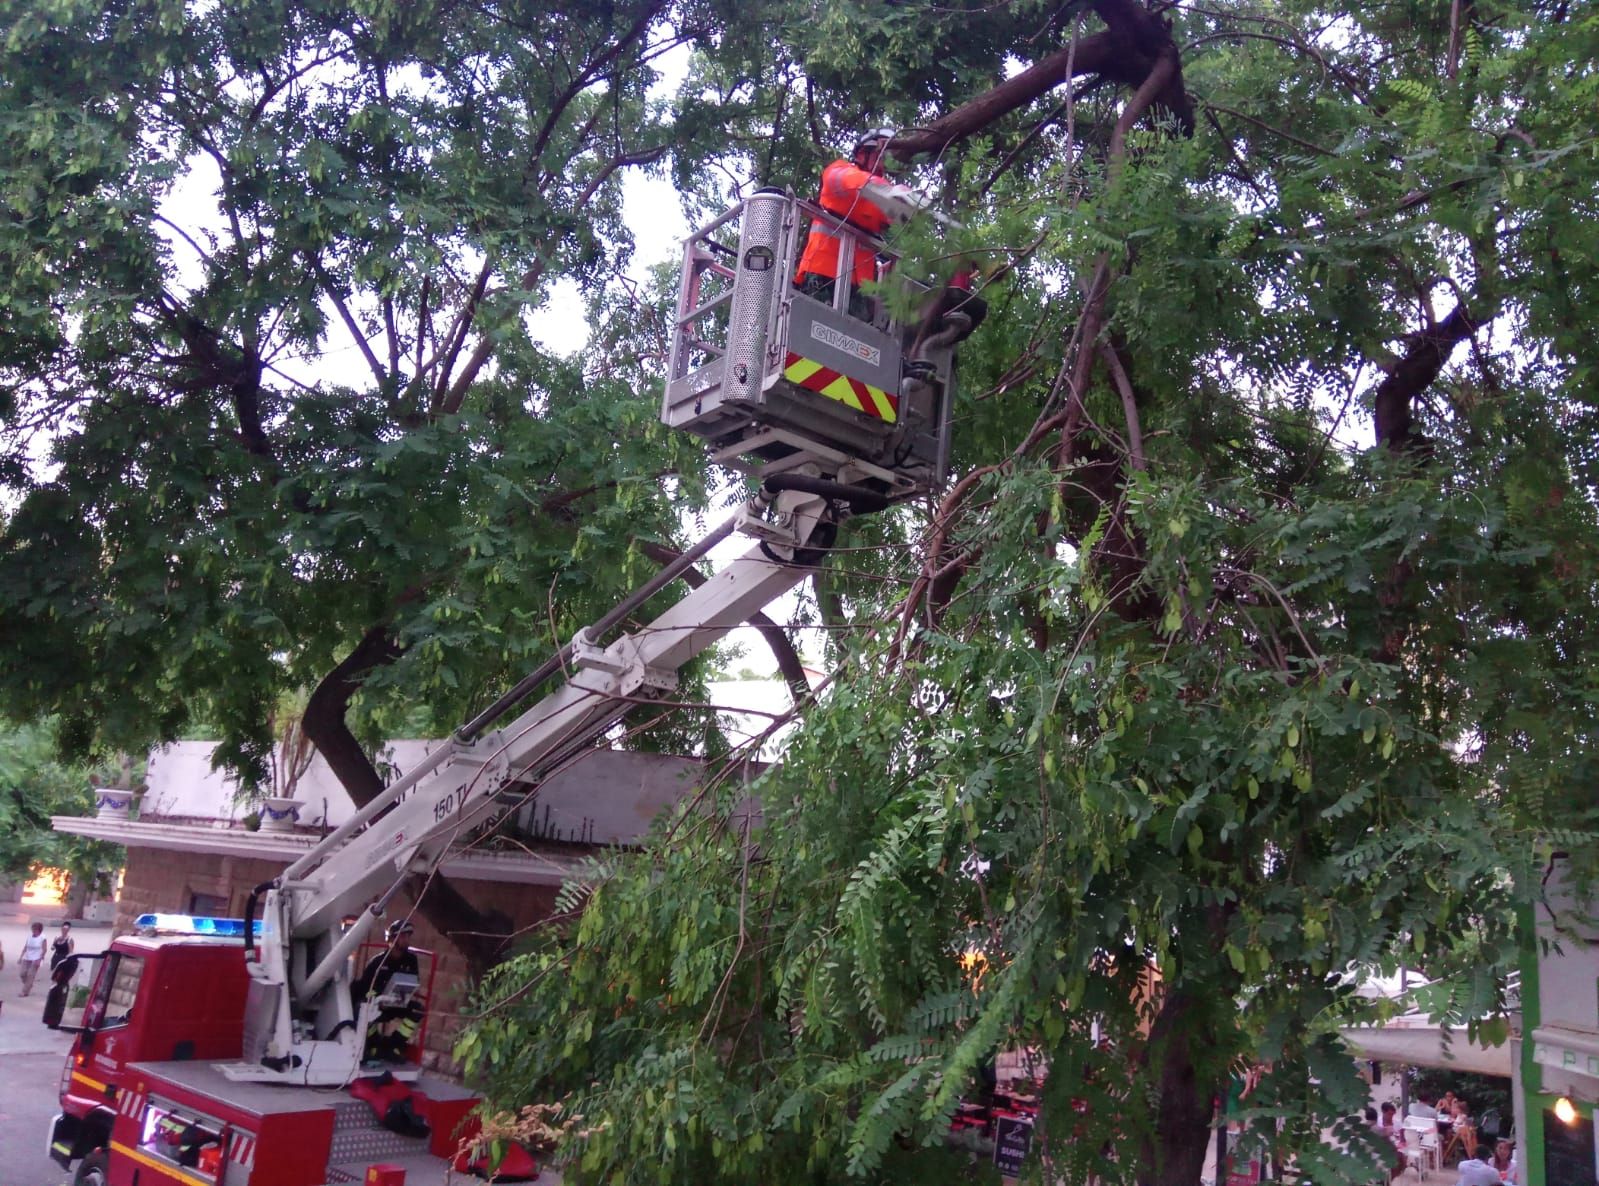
92	1170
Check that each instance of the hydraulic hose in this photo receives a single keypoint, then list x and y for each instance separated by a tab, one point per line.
249	913
861	499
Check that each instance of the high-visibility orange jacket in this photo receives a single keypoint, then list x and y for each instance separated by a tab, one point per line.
842	186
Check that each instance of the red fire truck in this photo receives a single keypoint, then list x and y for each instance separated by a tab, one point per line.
143	1100
226	1059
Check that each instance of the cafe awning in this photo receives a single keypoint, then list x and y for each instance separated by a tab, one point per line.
1427	1046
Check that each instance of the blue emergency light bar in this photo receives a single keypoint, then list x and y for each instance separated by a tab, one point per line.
191	924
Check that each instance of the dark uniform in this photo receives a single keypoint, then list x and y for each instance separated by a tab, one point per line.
395	1027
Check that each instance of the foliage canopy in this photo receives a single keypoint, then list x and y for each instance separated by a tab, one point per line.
34	785
1248	649
1249	645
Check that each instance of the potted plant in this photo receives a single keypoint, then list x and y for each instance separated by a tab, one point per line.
291	758
279	813
120	800
110	802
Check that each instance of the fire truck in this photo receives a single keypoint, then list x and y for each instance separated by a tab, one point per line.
221	1053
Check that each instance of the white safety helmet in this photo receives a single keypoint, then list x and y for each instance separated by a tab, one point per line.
397	928
870	137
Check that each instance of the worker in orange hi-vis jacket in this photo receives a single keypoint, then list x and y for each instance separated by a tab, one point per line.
861	193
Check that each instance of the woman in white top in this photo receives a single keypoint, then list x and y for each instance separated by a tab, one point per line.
33	952
1504	1160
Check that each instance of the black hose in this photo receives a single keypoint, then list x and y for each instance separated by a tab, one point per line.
249	912
861	499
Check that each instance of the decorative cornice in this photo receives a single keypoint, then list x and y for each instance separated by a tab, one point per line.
525	868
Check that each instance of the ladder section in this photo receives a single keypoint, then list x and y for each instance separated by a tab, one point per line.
606	682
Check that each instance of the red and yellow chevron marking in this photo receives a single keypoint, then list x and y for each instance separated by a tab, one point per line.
863	397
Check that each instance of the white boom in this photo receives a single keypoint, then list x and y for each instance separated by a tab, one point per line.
874	433
302	1026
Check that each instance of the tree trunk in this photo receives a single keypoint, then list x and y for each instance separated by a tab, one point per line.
479	936
1413	372
1173	1154
76	898
323	721
1409	376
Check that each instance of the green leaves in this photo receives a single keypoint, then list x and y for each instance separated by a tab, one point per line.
1182	740
1250	821
265	383
36	783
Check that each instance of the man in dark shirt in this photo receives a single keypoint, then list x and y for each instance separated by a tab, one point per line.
395	1027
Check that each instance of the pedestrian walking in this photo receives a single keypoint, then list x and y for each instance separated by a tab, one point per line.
33	952
62	946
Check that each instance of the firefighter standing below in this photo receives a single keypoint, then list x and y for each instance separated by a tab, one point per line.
846	192
395	1027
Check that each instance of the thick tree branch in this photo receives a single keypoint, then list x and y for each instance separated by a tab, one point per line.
324	717
331	291
455	337
216	364
1125	52
1162	73
1422	360
936	573
591	72
391	335
1135	433
1419	364
323	722
530	278
1093	55
1087	333
424	325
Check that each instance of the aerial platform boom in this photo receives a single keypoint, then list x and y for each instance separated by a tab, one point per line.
747	353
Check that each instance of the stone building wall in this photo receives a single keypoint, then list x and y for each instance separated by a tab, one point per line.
163	880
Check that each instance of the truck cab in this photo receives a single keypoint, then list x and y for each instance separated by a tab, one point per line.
152	998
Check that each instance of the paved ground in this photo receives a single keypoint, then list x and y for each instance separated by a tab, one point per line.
31	1056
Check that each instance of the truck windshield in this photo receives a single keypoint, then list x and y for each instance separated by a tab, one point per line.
111	1000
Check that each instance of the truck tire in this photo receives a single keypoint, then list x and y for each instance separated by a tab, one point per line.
92	1170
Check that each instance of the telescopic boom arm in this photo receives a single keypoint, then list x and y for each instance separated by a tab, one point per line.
304	966
836	414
